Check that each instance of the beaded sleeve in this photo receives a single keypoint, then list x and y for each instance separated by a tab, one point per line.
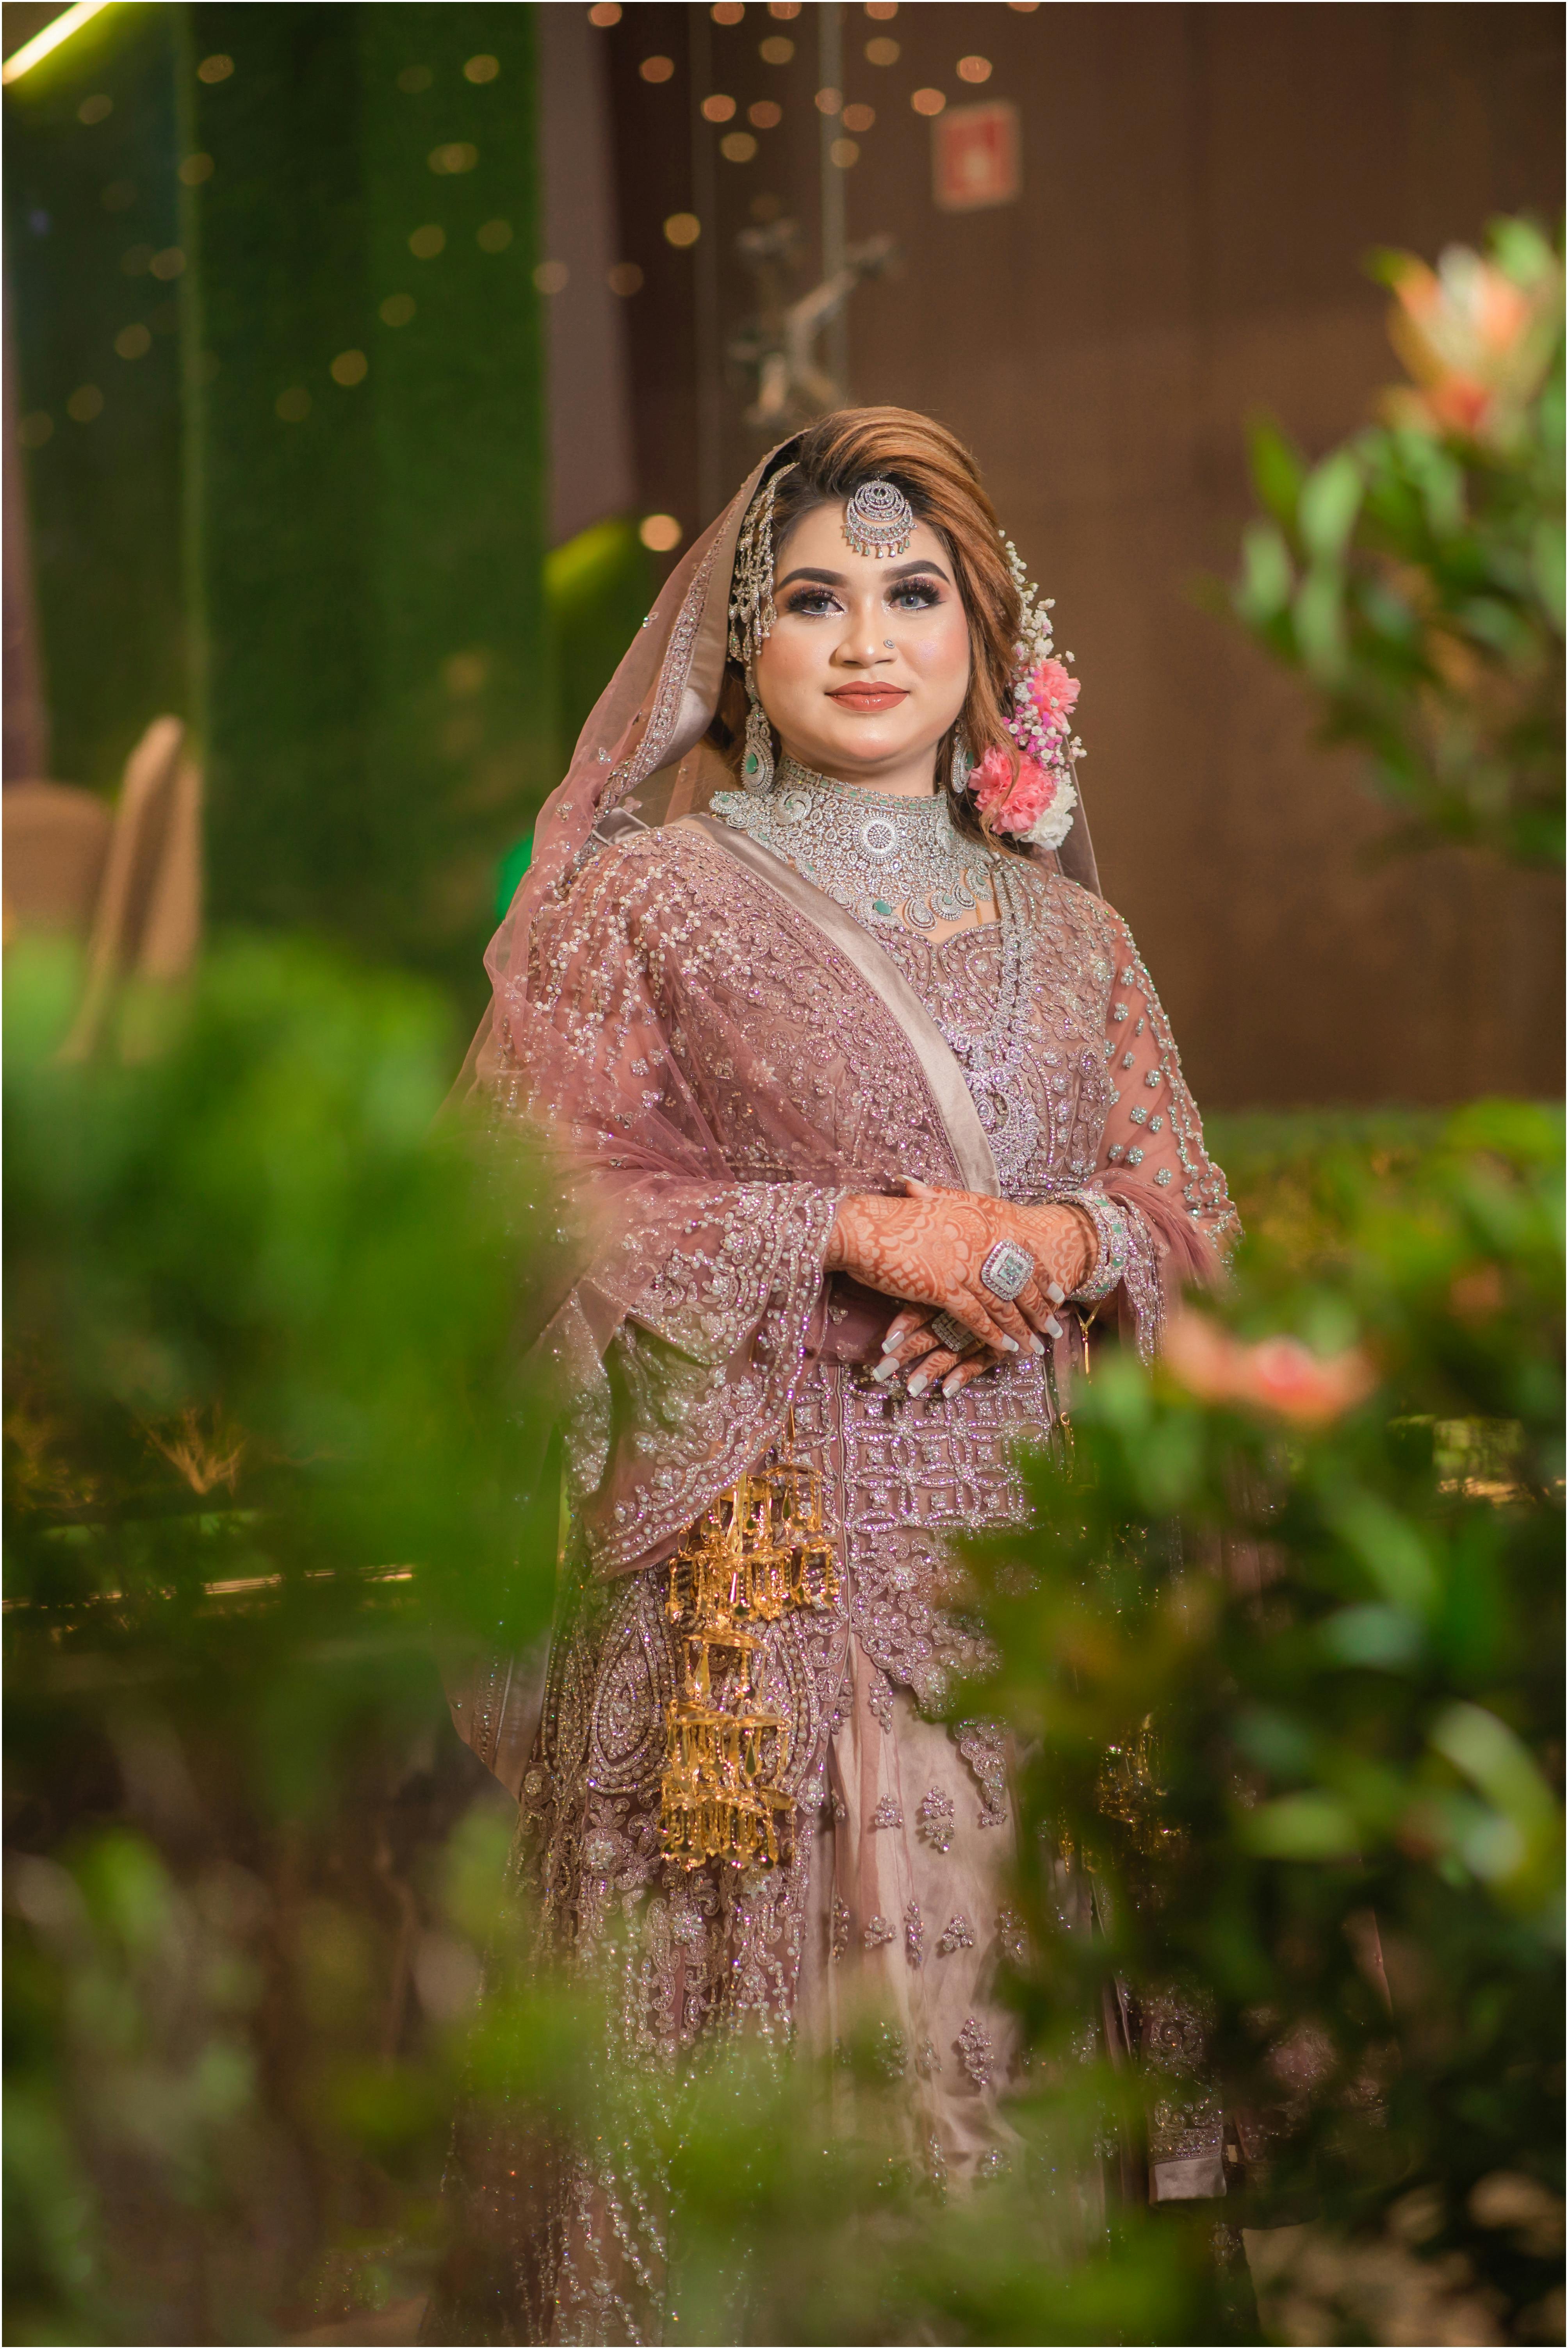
1158	1202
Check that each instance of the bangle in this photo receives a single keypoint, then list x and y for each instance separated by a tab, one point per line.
1109	1222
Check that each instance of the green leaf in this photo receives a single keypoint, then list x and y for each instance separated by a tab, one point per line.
1278	469
1268	575
1299	1827
1330	501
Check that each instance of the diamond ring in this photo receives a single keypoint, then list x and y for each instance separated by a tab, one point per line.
1006	1269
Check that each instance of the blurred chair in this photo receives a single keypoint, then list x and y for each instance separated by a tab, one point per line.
125	883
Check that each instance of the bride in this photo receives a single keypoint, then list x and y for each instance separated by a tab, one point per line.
869	1109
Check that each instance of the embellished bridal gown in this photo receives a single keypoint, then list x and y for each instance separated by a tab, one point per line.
724	1052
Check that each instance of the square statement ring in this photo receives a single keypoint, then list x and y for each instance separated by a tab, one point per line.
1006	1269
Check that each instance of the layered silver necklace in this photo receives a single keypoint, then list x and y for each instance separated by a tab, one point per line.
898	864
889	862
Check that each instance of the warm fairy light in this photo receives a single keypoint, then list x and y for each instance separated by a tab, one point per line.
927	101
170	263
718	108
829	101
456	155
1022	7
765	115
84	404
882	51
44	44
552	278
293	405
844	153
482	68
133	342
493	236
660	532
658	69
881	9
726	12
784	8
426	242
626	279
349	367
414	78
973	69
96	108
604	12
397	309
195	168
776	50
858	117
215	68
737	147
682	228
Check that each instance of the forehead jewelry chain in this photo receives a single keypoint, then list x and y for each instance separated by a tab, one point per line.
879	520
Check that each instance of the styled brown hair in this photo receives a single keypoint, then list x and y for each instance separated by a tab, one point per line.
942	481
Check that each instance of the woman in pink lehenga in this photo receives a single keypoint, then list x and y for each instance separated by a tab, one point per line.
868	1106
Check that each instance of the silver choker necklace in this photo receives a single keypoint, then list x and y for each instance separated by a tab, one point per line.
888	861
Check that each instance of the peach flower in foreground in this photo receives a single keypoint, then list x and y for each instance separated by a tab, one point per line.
1477	341
1276	1374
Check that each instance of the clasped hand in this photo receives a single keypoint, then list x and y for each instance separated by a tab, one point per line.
927	1249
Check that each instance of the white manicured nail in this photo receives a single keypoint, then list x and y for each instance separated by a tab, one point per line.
950	1384
1037	1343
895	1338
919	1384
886	1370
1056	1292
1010	1345
1054	1326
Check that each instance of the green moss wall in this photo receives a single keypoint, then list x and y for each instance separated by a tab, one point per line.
311	515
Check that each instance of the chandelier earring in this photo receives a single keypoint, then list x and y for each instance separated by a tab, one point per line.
962	760
757	760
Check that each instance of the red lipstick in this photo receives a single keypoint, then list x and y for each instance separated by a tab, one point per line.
869	698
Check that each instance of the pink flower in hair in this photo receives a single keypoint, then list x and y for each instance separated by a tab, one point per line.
1035	804
1054	693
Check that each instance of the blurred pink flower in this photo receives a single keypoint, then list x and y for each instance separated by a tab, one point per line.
1276	1374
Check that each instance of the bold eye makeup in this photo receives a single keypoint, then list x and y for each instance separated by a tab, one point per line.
915	594
814	603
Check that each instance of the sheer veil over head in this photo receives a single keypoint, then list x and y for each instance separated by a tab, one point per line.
642	758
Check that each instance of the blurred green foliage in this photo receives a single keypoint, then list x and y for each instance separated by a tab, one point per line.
1293	1667
267	1444
598	588
1414	576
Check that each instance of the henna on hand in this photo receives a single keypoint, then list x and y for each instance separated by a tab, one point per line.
1065	1245
928	1248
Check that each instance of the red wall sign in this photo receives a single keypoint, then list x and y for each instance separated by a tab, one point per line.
976	157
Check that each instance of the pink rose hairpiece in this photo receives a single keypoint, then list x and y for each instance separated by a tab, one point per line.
1037	802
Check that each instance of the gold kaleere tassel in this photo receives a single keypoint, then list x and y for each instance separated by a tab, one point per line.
760	1549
